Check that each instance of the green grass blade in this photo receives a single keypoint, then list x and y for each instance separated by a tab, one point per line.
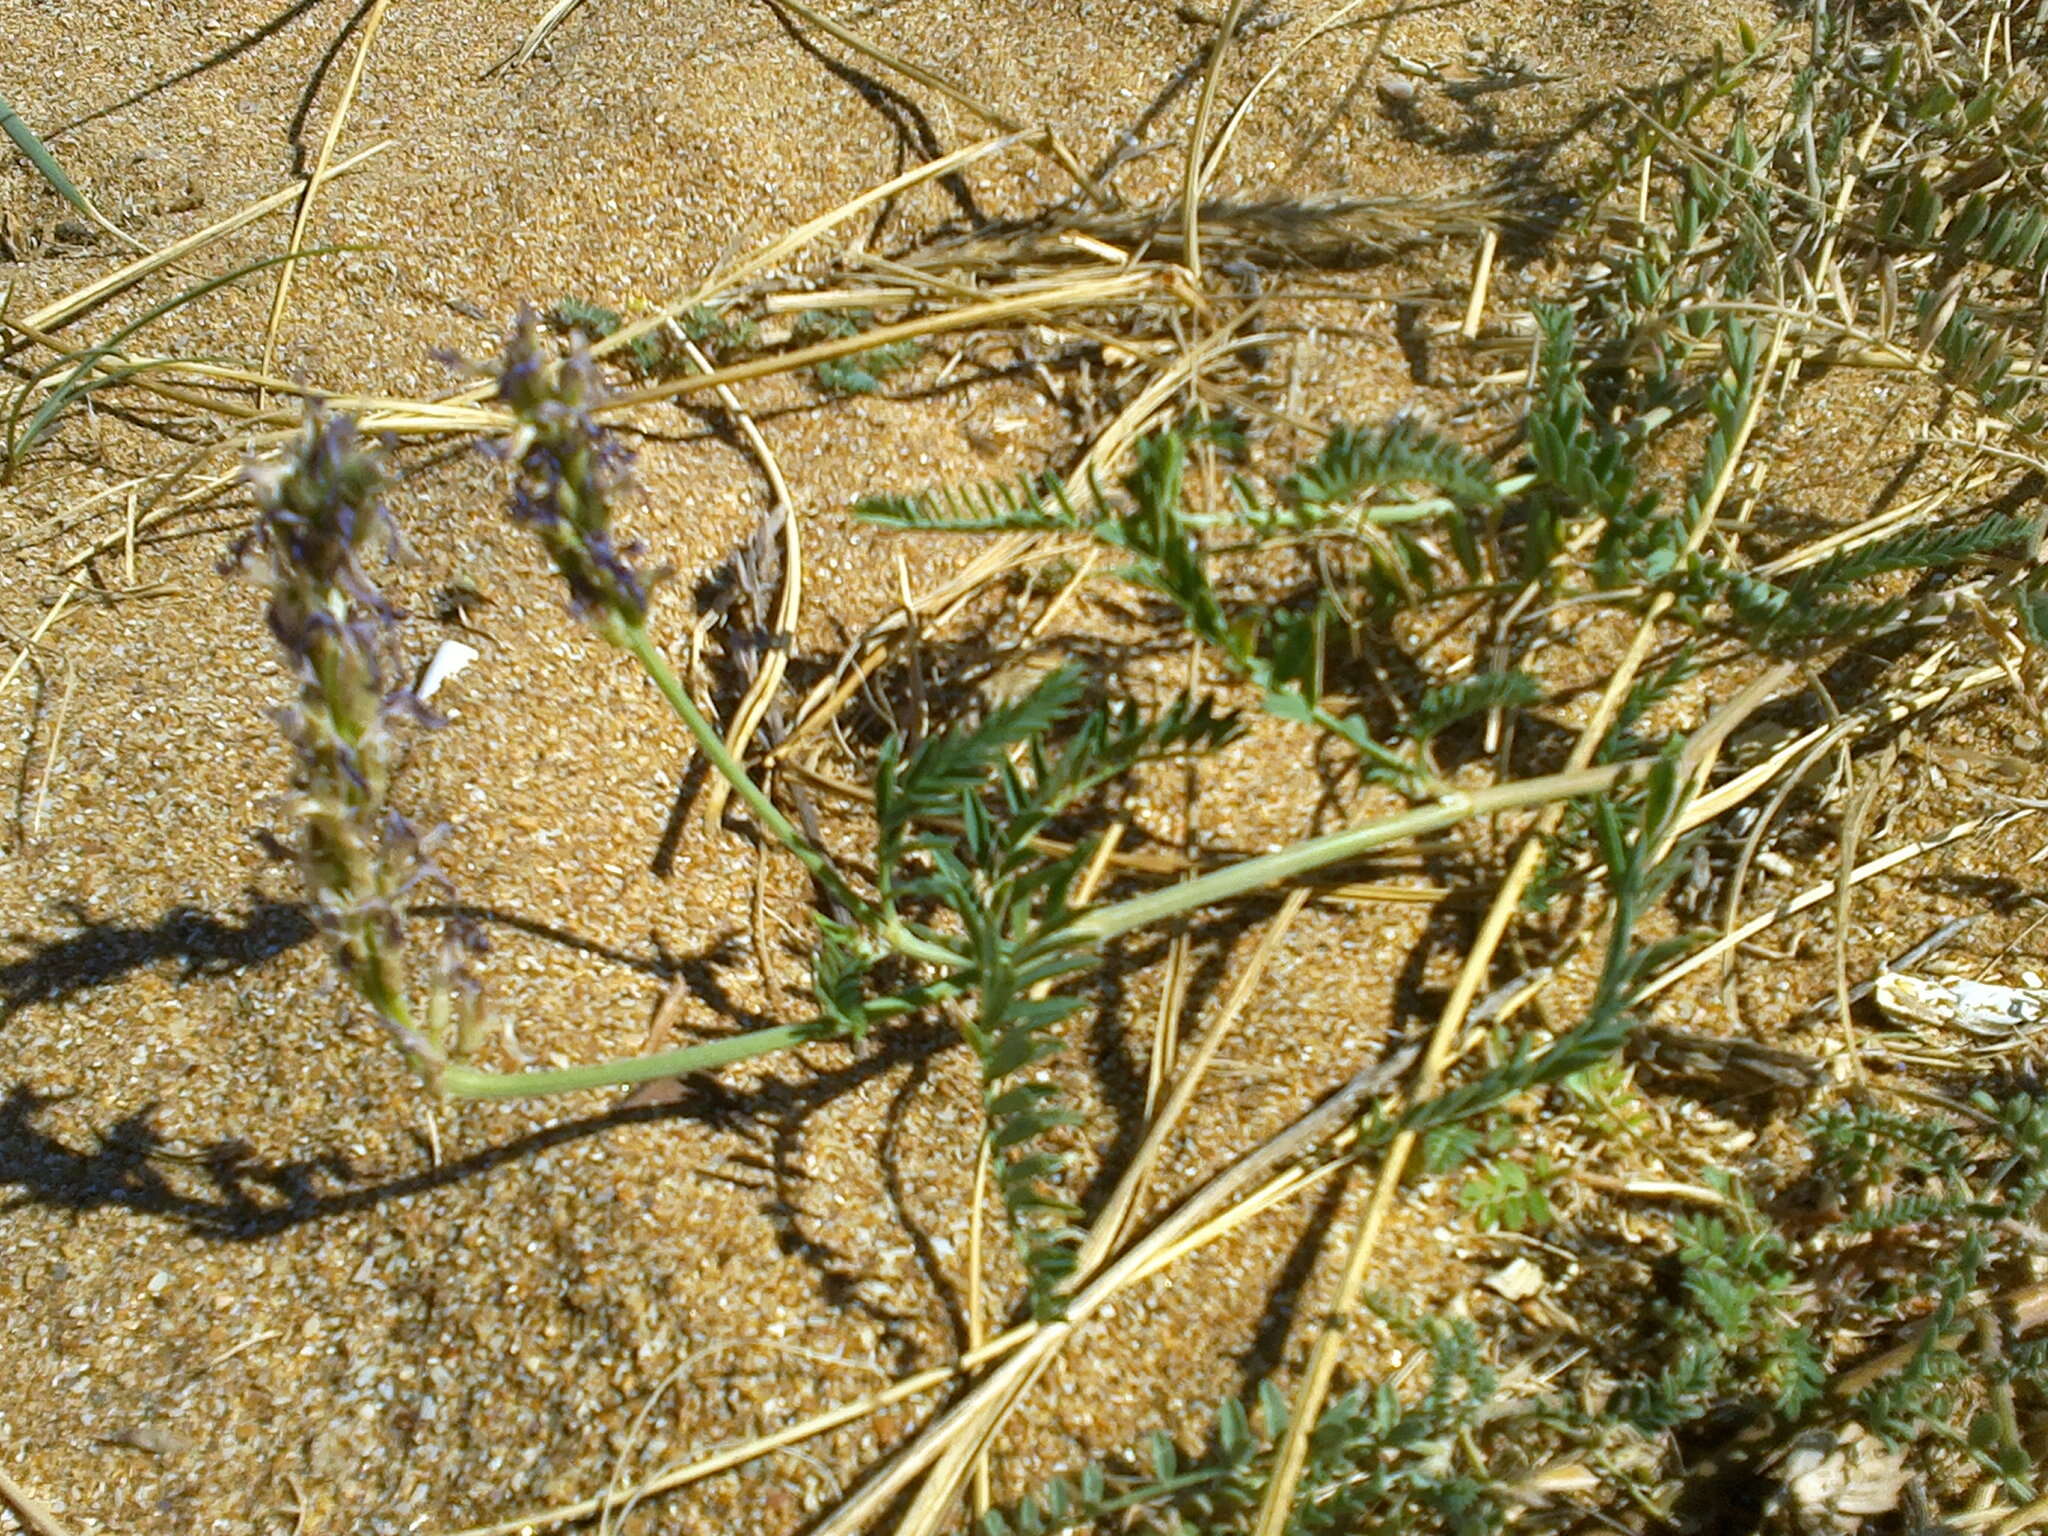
46	165
20	438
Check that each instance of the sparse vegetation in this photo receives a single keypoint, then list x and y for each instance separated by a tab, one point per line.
1554	646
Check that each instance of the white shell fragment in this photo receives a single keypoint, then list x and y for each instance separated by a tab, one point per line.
450	659
1976	1007
1517	1281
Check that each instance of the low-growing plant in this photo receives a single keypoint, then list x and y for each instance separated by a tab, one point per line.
1378	1462
1512	1194
1360	491
965	913
1771	1315
658	354
861	373
1759	1331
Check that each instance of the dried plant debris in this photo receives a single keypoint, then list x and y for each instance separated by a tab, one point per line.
1331	232
1837	1480
1725	1069
1985	1009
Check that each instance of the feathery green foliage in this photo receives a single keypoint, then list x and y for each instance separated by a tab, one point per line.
1586	464
648	354
861	373
655	354
1811	607
1736	1324
1172	551
957	819
595	321
1511	1194
1445	705
1357	462
1623	741
1377	1465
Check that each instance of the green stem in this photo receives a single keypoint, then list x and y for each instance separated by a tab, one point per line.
635	639
462	1082
1334	848
459	1082
46	165
1406	773
914	947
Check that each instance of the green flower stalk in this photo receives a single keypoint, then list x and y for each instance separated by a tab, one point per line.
567	473
319	515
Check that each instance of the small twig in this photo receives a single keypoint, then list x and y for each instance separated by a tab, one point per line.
977	1327
42	628
1845	888
1817	894
1113	1221
1198	141
1482	274
243	1347
1173	990
34	1513
538	34
56	743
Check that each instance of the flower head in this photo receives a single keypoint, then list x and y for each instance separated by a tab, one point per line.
568	471
318	512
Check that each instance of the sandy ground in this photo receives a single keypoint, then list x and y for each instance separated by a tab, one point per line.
251	1278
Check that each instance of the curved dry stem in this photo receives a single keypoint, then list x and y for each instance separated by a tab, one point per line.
303	220
1199	166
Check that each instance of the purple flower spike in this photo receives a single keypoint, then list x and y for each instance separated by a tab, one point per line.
567	472
319	513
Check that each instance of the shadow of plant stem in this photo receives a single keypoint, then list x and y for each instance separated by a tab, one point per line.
222	55
250	1198
103	952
